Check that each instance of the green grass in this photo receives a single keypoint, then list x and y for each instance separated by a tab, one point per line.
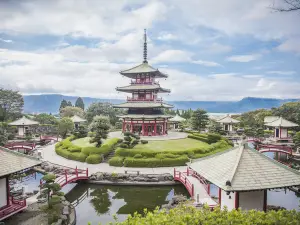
83	142
172	145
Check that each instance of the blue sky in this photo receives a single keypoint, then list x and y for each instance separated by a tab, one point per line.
212	50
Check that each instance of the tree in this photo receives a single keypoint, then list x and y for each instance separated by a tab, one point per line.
69	103
79	103
104	109
296	140
45	118
65	126
81	132
288	6
63	104
289	111
3	135
11	104
199	119
70	111
100	125
52	188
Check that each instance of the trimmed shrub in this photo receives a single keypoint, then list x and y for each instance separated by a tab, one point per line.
213	138
103	149
62	152
154	162
116	161
137	137
78	156
199	138
74	149
166	155
123	145
144	141
135	142
127	133
94	159
127	138
137	156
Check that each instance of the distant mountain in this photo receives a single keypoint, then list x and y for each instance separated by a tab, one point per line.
50	103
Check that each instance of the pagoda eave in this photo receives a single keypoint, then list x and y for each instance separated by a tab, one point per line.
142	105
146	117
139	89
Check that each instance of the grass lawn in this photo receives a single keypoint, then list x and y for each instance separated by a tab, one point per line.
178	144
83	142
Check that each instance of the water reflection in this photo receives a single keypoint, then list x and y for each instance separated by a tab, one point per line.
97	203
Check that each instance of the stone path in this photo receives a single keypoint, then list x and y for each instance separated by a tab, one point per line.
171	136
49	154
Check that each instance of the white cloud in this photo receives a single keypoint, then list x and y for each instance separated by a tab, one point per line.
167	37
279	72
207	63
6	41
290	45
243	58
172	56
215	48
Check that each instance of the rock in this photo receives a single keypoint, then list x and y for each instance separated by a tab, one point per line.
66	203
161	178
99	176
42	200
59	222
48	168
140	179
275	208
177	199
154	180
64	217
63	198
166	206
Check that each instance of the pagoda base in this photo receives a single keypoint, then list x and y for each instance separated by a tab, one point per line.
146	127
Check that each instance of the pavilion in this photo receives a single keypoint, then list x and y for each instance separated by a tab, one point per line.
77	121
174	122
227	123
10	163
280	126
23	124
243	175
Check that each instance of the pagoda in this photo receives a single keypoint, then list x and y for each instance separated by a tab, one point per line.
145	115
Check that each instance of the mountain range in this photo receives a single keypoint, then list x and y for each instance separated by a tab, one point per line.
49	103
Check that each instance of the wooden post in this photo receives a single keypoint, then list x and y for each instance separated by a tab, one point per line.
193	190
236	205
208	188
265	200
76	171
187	171
66	175
87	172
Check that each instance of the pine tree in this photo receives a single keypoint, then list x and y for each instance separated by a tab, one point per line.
63	104
79	103
199	119
69	103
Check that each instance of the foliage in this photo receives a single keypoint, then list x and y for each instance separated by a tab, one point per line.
11	104
104	109
116	161
130	140
63	104
144	141
70	111
289	111
209	138
79	103
81	132
45	118
137	156
216	128
155	162
100	125
28	134
51	187
296	139
199	119
94	159
104	150
65	126
193	216
255	131
3	135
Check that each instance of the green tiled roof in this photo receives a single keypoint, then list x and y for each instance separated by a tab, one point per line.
143	68
136	87
246	169
143	105
142	116
11	162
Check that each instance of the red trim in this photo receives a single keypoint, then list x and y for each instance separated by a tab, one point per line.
220	195
7	191
236	204
265	200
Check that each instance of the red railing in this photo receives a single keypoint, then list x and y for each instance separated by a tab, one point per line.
275	148
201	179
12	208
27	146
182	177
47	137
130	99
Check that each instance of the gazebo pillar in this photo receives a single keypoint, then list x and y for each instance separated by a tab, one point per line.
131	126
154	127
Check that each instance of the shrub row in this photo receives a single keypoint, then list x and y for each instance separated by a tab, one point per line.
116	161
209	138
104	149
94	159
154	162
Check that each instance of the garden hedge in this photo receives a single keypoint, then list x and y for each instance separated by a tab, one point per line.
116	161
154	162
94	159
104	149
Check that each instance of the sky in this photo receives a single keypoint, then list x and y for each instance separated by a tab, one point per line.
211	49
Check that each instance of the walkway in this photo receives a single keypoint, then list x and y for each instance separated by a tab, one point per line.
171	136
49	154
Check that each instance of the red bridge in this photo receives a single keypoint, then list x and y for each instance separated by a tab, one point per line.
49	138
26	146
275	148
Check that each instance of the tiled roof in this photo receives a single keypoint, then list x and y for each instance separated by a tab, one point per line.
280	122
227	119
143	105
143	68
246	169
77	119
11	162
131	88
23	121
142	116
177	118
269	119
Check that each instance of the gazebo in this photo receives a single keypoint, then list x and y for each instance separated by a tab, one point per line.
77	121
174	122
243	175
280	126
23	125
10	163
227	123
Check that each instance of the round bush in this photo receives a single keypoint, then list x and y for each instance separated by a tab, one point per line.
78	156
123	145
144	141
74	149
127	138
94	159
116	161
137	156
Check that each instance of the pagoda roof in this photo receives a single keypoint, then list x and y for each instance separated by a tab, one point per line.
23	122
136	87
280	122
177	118
245	169
269	119
227	119
143	105
143	68
77	119
12	162
142	116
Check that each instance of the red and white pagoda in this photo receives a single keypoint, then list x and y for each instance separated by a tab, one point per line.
145	114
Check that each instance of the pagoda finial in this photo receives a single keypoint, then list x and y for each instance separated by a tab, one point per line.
145	47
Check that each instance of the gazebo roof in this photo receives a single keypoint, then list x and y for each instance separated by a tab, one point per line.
269	119
11	162
280	122
177	118
77	119
143	105
23	122
227	119
142	116
143	68
244	169
131	88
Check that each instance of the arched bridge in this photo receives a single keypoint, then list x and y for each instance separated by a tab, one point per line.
48	138
275	148
25	146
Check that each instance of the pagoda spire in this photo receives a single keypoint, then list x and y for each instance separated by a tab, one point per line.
145	47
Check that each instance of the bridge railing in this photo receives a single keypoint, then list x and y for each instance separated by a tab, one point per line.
182	177
24	145
48	137
286	149
202	180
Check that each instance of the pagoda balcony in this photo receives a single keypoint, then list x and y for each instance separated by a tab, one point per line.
130	99
144	82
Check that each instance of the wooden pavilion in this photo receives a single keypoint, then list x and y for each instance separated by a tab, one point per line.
174	122
77	121
280	126
23	124
227	123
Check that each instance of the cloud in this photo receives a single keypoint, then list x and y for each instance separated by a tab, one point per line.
243	58
290	45
279	72
172	55
6	41
215	48
167	37
207	63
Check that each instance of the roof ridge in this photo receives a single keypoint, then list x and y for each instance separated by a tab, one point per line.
241	151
